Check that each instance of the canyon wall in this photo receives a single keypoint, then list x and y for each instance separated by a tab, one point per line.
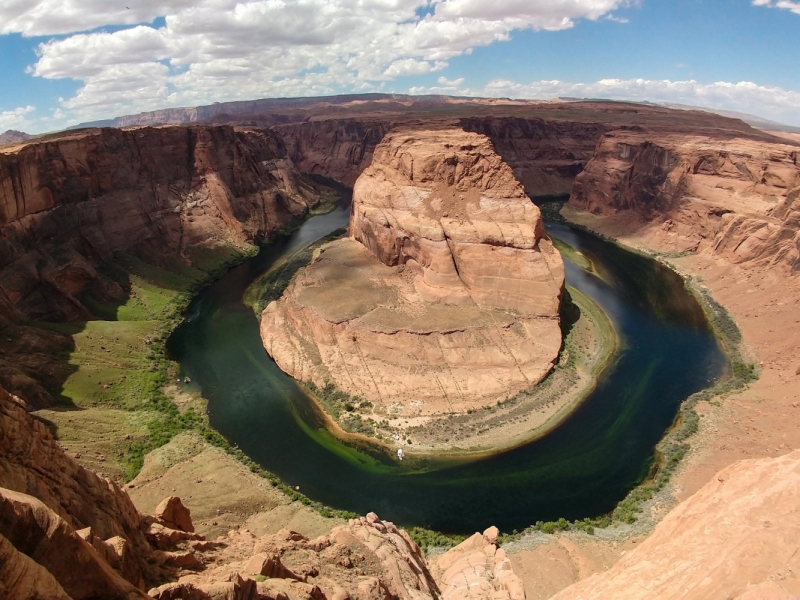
70	202
446	295
176	197
545	155
734	197
337	148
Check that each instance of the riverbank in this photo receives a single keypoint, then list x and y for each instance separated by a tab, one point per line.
756	421
764	419
590	343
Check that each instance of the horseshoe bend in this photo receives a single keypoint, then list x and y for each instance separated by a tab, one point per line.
444	296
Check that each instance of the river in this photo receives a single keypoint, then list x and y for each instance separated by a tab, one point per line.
581	469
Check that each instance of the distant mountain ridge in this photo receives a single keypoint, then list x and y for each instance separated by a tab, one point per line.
12	137
199	114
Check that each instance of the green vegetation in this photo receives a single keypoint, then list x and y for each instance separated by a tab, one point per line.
573	255
427	538
118	361
344	409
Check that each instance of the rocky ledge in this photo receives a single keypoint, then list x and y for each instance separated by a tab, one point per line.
67	534
444	297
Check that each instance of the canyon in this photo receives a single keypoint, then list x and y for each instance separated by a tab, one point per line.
715	198
71	204
54	513
444	297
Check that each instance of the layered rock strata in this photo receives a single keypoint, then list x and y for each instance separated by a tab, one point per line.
444	297
69	202
175	197
730	196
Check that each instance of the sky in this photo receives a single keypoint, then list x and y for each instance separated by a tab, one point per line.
63	62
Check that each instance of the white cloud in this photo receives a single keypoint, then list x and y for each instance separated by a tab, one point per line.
791	5
210	50
16	118
454	83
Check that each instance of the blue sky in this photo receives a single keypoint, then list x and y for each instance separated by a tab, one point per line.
67	61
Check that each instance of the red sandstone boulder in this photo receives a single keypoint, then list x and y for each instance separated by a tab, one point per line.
173	514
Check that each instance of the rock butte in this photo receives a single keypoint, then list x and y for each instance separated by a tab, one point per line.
444	297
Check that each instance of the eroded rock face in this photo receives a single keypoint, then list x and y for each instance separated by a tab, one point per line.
69	202
476	569
33	463
734	197
444	297
66	533
735	538
172	196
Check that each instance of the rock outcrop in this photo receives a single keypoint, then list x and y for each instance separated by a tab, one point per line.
33	463
735	538
734	197
66	533
445	296
477	568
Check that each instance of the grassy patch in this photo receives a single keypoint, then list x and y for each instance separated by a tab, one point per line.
427	538
118	360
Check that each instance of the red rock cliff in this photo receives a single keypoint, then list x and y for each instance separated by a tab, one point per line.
735	197
69	202
446	295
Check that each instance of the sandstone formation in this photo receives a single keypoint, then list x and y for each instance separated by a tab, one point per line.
446	294
477	568
735	538
730	196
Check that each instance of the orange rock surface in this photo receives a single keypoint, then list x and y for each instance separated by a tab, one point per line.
735	538
737	198
446	294
82	538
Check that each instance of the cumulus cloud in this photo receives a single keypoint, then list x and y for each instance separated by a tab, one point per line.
210	50
16	118
791	5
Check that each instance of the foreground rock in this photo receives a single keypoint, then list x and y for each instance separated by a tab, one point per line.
66	533
735	538
477	568
446	295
